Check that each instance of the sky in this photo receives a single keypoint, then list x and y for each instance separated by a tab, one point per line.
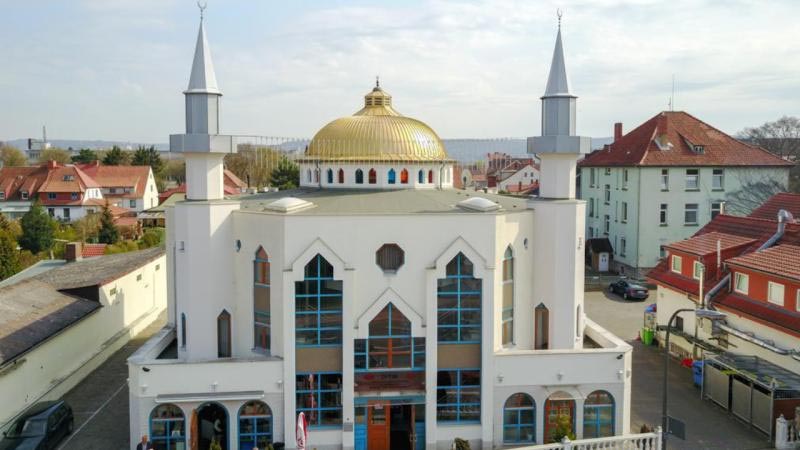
116	69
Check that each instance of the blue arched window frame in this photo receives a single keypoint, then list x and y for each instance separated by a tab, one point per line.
392	176
255	428
167	426
318	306
330	176
359	176
459	300
421	177
598	413
519	419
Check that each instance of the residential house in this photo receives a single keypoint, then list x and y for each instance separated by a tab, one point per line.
664	180
519	175
132	187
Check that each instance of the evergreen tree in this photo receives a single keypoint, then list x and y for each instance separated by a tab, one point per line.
108	234
286	175
116	157
9	256
85	156
37	229
147	156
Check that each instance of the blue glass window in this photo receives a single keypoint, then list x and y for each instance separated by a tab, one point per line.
167	427
261	298
392	176
421	177
359	176
598	415
458	395
459	303
519	419
318	306
390	345
255	425
319	396
330	176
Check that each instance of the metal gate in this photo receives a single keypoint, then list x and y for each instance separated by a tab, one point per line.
740	398
716	384
762	409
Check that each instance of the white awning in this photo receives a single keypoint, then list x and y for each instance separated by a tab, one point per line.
207	396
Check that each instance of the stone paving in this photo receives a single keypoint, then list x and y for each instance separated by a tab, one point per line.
707	426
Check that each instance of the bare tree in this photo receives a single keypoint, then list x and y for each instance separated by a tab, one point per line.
782	138
755	190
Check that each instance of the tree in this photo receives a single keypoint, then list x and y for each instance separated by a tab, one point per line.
11	156
37	229
253	164
148	156
782	138
754	191
116	157
563	428
108	234
85	156
174	170
9	256
286	175
56	154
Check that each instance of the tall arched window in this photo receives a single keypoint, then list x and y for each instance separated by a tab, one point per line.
341	176
430	176
373	176
224	334
391	177
255	425
508	297
559	404
404	176
316	175
519	419
389	345
167	427
308	175
459	303
183	330
421	177
598	415
330	176
318	306
359	176
261	298
541	323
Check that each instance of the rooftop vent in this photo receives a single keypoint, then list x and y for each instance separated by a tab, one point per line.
479	204
289	205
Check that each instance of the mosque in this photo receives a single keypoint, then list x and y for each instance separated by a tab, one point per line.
392	310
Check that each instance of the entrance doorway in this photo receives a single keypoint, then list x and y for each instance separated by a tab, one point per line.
212	419
392	426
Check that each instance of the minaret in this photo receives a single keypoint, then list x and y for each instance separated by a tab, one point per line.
199	229
559	217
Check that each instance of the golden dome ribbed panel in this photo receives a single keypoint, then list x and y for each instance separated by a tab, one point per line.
376	133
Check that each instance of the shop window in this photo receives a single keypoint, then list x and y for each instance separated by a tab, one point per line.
167	427
458	395
255	425
319	396
598	415
519	419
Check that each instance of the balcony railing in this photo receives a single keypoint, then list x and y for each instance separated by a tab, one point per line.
643	441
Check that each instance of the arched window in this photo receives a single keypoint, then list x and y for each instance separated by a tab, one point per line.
391	176
559	407
316	175
389	344
318	306
459	303
430	176
167	427
519	419
308	175
598	415
359	176
541	327
421	177
255	425
341	176
508	297
404	176
183	330
373	176
261	298
330	176
224	334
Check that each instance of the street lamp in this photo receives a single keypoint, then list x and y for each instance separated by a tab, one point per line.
699	314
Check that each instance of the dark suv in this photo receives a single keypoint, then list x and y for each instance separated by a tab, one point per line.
41	427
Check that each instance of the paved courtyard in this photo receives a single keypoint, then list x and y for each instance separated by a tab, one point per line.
707	426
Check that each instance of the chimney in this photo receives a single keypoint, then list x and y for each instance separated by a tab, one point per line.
51	164
661	124
617	131
73	252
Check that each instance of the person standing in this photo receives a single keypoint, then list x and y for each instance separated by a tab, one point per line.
144	444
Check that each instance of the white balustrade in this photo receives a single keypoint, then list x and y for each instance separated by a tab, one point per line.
642	441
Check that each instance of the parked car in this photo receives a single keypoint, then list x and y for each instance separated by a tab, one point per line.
629	290
41	427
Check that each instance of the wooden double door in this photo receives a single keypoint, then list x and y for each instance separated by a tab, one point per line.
392	427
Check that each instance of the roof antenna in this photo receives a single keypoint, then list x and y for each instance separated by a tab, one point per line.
377	81
202	6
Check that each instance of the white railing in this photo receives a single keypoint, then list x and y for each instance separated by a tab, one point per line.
643	441
787	433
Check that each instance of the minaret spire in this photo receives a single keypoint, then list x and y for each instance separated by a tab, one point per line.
203	80
557	81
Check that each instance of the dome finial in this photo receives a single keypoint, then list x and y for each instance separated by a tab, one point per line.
559	14
202	5
377	81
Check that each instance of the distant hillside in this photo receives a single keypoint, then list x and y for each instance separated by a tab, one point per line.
77	144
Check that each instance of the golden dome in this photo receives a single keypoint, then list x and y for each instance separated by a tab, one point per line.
376	133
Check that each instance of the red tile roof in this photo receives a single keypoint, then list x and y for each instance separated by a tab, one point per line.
233	186
774	315
782	260
134	177
782	200
90	250
67	179
706	244
682	131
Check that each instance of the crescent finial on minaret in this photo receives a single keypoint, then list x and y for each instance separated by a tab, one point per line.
202	5
559	13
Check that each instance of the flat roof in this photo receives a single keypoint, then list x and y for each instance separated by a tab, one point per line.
760	371
380	202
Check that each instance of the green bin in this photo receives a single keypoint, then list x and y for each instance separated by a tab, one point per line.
647	336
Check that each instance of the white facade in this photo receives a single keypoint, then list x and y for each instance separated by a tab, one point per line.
49	370
276	301
524	177
651	208
386	175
